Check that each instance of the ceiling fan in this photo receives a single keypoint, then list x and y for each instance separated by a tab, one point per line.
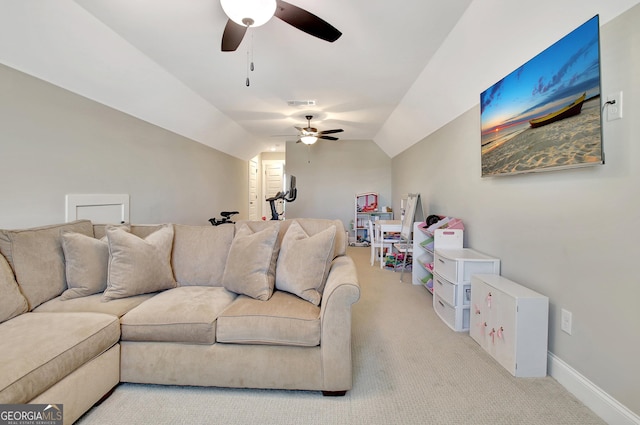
253	13
309	135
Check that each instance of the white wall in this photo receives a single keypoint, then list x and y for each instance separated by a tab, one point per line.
571	235
53	143
330	173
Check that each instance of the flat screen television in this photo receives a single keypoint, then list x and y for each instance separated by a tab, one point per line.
546	114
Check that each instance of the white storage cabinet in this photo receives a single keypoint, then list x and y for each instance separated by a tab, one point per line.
510	322
452	283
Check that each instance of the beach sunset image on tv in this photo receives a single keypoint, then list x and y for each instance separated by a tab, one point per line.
546	114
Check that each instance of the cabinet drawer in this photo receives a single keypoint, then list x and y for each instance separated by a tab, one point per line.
455	295
458	265
445	289
457	318
446	267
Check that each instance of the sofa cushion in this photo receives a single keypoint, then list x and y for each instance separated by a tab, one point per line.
138	266
37	259
185	314
93	304
250	268
200	254
39	349
86	259
284	319
12	302
304	262
316	225
141	230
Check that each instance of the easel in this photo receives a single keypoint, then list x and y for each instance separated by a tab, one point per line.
412	212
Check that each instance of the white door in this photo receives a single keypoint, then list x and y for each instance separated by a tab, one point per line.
273	183
253	189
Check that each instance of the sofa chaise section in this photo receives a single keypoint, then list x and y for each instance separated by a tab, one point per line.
39	350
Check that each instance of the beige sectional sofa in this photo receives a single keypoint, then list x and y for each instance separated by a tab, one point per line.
251	305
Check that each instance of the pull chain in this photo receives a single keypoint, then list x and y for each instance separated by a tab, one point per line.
247	82
250	66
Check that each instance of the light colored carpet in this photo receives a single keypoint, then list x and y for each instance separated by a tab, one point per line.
409	368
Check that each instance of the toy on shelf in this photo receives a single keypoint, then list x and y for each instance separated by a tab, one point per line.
367	202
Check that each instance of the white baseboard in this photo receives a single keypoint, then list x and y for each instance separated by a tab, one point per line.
605	406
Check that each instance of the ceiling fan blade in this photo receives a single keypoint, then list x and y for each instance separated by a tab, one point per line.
337	130
232	36
306	21
327	137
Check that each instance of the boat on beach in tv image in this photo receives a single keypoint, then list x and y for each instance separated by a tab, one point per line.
546	114
570	110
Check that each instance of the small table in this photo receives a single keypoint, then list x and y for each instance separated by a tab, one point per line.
381	227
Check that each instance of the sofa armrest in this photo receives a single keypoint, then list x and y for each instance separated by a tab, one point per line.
341	291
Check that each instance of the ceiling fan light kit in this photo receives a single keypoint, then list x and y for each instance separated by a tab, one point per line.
309	135
250	13
308	140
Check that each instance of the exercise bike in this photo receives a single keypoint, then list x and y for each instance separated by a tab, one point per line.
226	218
288	196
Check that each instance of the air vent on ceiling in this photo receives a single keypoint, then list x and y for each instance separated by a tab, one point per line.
301	102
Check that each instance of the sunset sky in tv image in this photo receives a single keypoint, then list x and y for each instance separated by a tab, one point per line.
549	81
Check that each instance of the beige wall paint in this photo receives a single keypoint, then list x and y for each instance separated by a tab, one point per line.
53	143
273	156
571	235
329	174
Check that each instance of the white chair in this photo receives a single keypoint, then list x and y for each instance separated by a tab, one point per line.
378	244
405	247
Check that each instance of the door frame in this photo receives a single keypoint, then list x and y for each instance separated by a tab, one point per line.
266	210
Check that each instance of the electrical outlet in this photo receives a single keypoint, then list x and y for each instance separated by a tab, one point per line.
614	110
566	321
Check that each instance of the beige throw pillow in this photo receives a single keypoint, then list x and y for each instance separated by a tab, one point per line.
12	302
86	261
36	257
304	262
138	266
249	268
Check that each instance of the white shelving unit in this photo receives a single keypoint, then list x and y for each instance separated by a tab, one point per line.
424	244
452	283
366	208
511	323
422	266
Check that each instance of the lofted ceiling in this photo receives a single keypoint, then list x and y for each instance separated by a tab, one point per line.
160	60
400	71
